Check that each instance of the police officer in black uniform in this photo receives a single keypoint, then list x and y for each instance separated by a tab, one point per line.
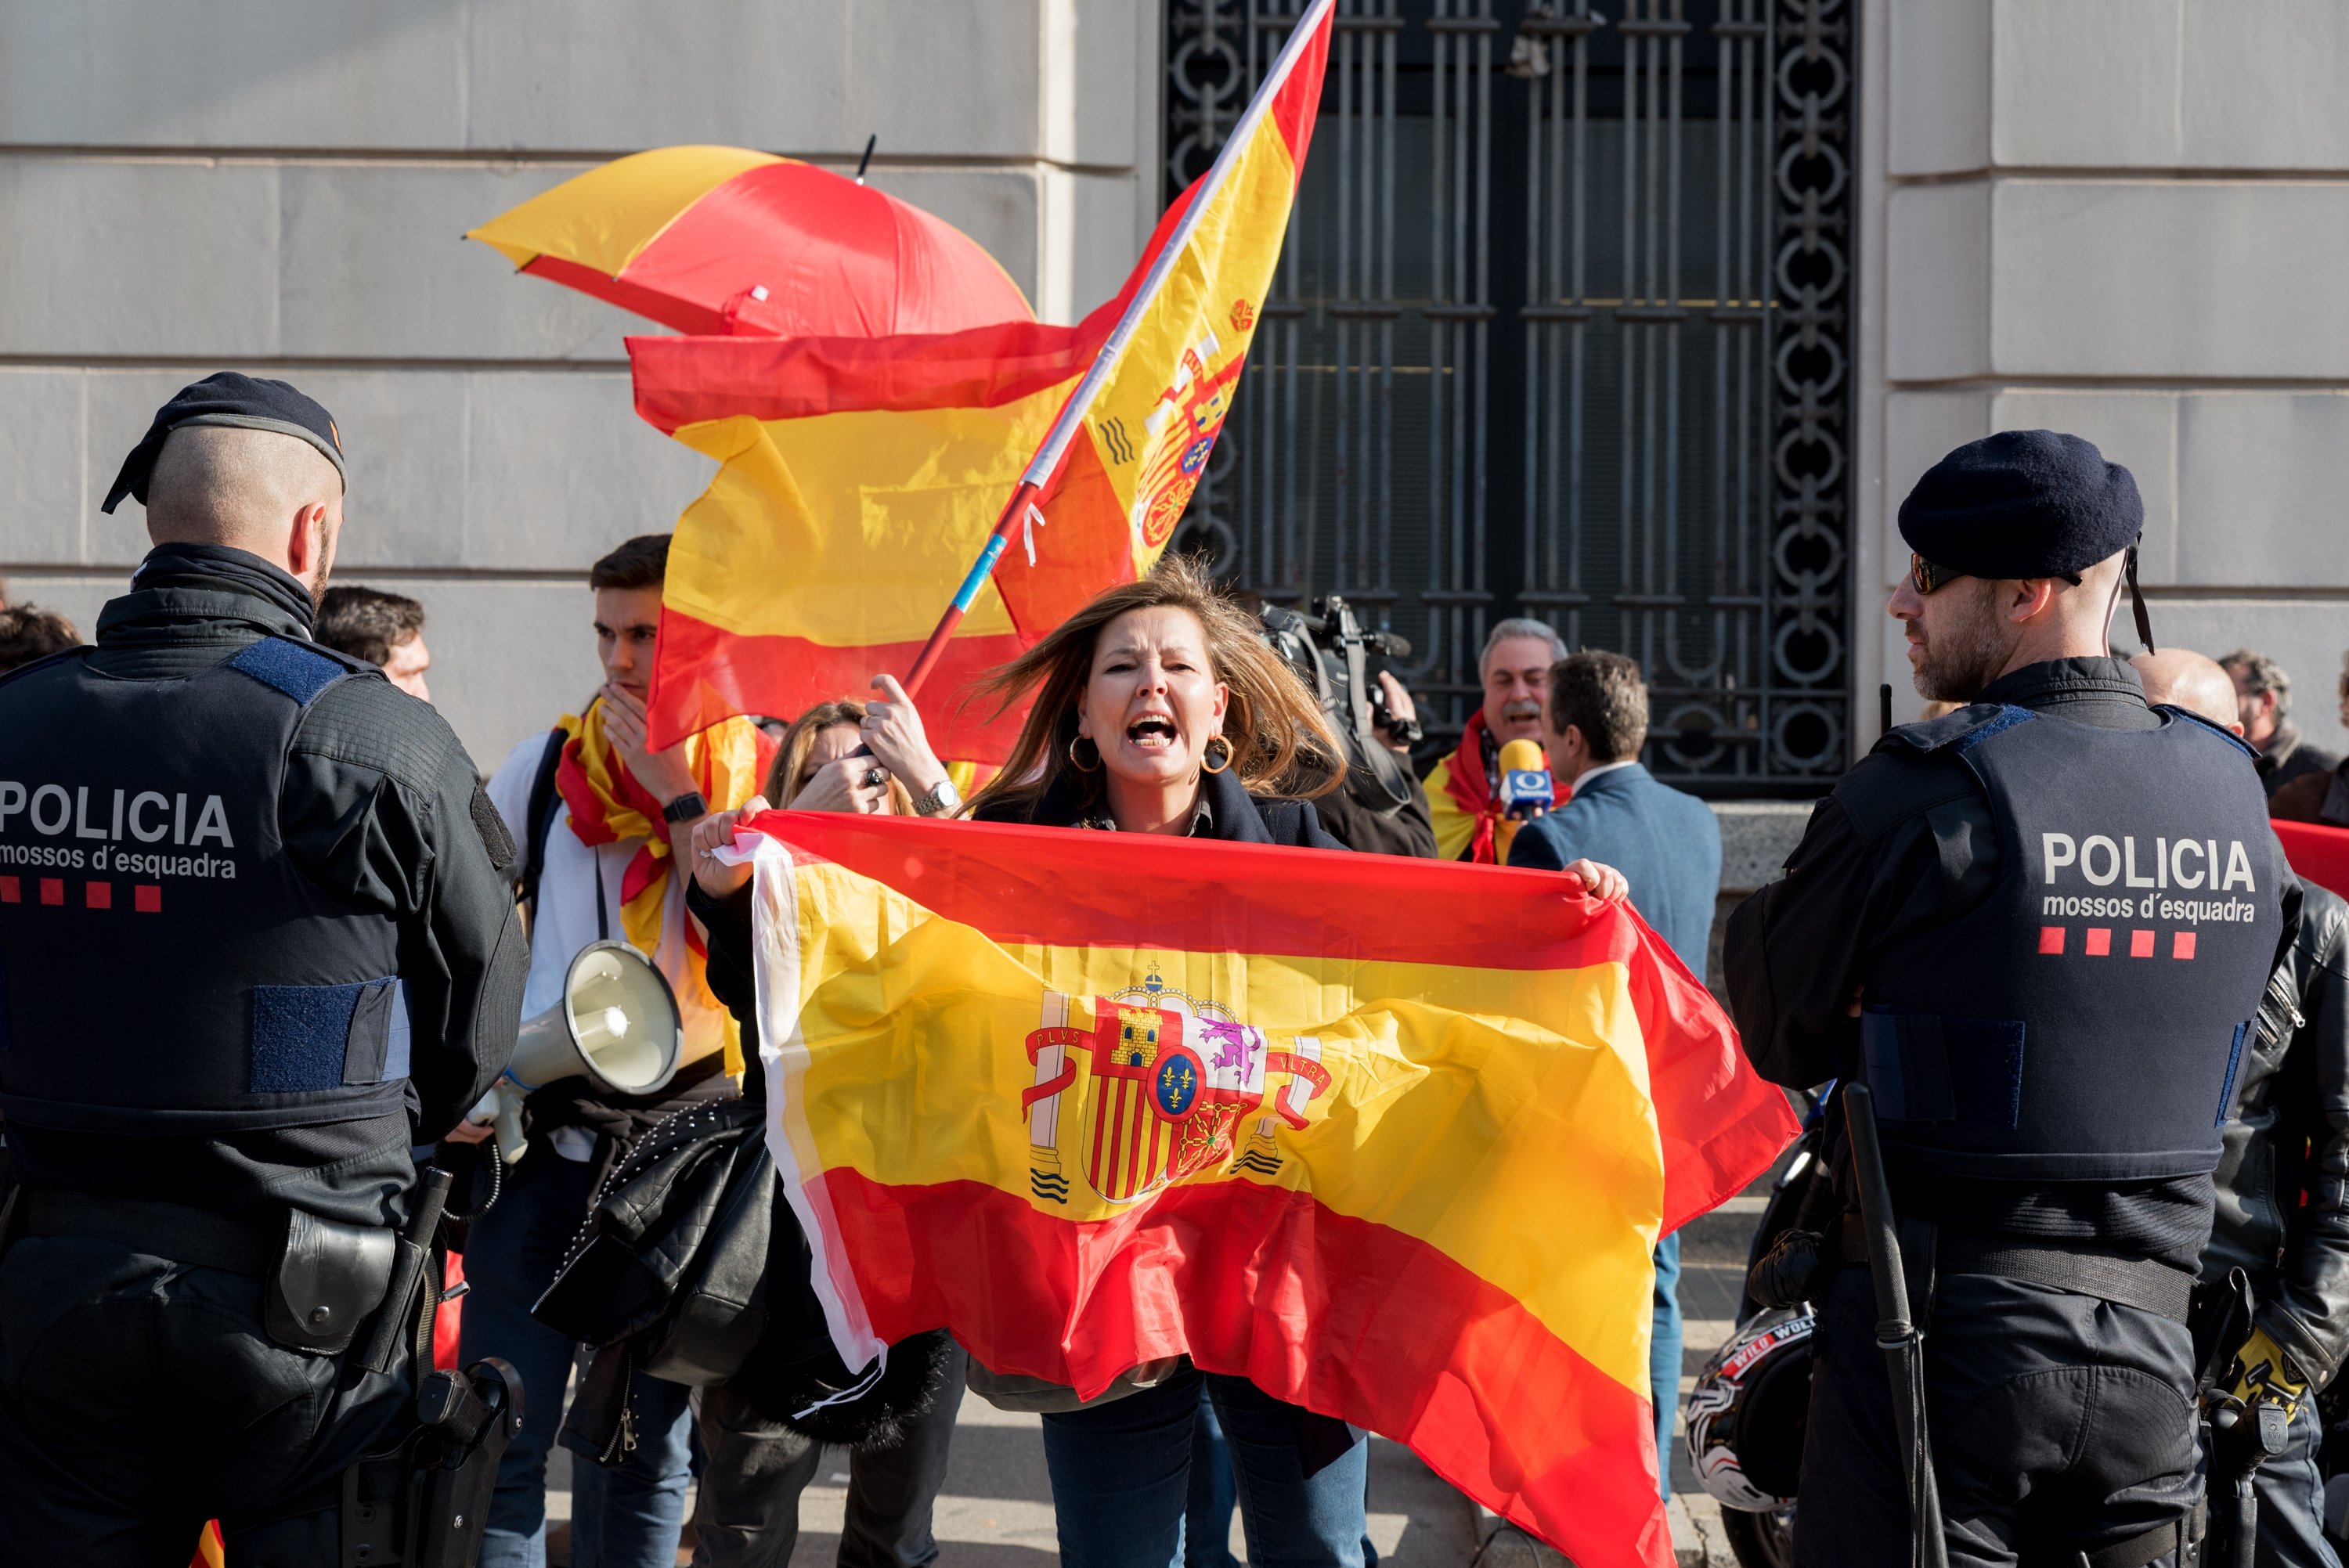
2039	929
257	939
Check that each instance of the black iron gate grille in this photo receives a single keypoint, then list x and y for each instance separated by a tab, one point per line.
1558	331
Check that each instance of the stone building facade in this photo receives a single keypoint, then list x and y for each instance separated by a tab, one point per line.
2126	219
2120	217
280	188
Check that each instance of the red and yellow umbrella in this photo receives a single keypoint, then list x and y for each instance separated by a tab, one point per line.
724	241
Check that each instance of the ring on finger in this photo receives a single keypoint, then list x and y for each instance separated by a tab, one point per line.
875	777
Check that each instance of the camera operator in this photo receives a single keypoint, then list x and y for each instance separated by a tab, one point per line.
1377	807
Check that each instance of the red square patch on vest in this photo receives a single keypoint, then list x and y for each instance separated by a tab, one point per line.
2051	939
2140	944
147	897
53	890
2100	941
2181	945
11	891
98	895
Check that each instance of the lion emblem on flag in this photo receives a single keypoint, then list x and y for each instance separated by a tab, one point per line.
1171	1081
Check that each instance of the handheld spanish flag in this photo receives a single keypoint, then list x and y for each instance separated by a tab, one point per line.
1391	1139
1157	394
861	477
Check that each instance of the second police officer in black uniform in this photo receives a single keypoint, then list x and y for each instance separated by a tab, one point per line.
256	940
2039	929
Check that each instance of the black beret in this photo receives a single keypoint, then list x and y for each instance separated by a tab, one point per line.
2022	503
226	397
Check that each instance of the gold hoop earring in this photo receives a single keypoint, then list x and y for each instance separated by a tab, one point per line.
1216	766
1078	762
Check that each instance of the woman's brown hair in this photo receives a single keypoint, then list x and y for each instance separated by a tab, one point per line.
791	756
1280	743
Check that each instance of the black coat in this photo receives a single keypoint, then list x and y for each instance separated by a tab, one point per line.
2289	1137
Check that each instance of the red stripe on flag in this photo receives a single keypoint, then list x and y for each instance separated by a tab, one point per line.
685	380
1342	1315
1053	887
1294	107
704	675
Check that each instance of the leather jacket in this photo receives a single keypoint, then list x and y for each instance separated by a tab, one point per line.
2289	1138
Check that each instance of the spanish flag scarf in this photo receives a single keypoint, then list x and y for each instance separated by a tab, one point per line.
728	762
1463	807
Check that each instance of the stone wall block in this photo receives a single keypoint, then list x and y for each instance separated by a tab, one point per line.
1938	316
404	440
559	469
1939	98
2085	84
138	259
375	266
946	78
2265	483
2263	86
2188	280
41	467
254	73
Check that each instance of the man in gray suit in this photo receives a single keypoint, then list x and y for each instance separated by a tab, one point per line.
1668	846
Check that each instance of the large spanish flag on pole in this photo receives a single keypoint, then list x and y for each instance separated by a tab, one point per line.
1392	1139
864	482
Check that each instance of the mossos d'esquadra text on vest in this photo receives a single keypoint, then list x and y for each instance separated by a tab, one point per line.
2170	867
104	829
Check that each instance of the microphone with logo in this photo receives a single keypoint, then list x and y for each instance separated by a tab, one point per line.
1526	788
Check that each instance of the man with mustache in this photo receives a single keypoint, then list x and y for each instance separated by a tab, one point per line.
1464	792
2038	928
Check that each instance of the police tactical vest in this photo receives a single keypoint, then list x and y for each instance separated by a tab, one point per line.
2086	1022
164	966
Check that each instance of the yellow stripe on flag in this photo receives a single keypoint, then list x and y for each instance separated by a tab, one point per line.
855	527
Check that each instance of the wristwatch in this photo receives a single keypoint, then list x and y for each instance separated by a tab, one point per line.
942	799
686	808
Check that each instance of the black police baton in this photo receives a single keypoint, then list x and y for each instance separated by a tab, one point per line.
398	1312
1903	1346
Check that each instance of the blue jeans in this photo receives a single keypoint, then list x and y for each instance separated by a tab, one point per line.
1214	1493
623	1518
1664	1356
1121	1472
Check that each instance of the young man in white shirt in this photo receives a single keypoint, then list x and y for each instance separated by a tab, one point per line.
605	827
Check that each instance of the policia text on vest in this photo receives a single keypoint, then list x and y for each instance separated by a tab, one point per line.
2100	860
147	817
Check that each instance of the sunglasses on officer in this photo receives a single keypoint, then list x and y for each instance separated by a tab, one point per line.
1924	576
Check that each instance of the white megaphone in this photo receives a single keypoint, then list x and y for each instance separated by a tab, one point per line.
618	1026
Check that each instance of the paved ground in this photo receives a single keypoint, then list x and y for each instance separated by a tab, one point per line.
997	1509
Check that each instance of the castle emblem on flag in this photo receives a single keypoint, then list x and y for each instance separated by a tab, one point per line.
1182	430
1172	1080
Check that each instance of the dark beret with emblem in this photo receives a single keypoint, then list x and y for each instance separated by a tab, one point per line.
2022	503
227	398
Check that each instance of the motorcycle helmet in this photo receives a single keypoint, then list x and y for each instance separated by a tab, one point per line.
1746	1414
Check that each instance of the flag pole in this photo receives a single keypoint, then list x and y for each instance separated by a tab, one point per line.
1072	413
